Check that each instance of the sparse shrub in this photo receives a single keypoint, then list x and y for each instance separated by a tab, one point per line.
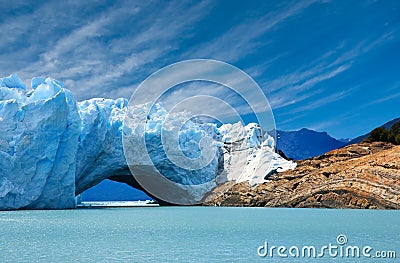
378	134
397	139
393	133
382	135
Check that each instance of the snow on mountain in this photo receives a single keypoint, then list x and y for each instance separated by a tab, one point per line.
53	148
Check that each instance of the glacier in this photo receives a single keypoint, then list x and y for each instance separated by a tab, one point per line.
52	148
100	152
38	144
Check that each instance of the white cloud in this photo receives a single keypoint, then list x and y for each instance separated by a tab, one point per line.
93	60
85	52
288	95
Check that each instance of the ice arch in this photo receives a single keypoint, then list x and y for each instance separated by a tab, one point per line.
53	148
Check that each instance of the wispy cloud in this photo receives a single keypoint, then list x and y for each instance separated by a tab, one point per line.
387	98
321	101
91	57
245	36
289	89
149	47
292	94
105	49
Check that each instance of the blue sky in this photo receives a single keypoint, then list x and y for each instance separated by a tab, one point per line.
326	65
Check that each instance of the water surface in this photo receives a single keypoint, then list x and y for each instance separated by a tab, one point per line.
189	234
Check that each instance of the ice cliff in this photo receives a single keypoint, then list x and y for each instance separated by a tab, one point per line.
39	131
53	148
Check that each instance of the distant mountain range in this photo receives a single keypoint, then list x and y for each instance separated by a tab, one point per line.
109	190
305	143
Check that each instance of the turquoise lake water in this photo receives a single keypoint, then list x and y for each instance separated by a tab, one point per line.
195	234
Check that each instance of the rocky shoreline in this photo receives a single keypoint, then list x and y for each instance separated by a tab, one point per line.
364	175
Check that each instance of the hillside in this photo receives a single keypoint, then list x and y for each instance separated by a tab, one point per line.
387	126
365	175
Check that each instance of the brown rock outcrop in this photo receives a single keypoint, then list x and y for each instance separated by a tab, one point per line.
365	175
